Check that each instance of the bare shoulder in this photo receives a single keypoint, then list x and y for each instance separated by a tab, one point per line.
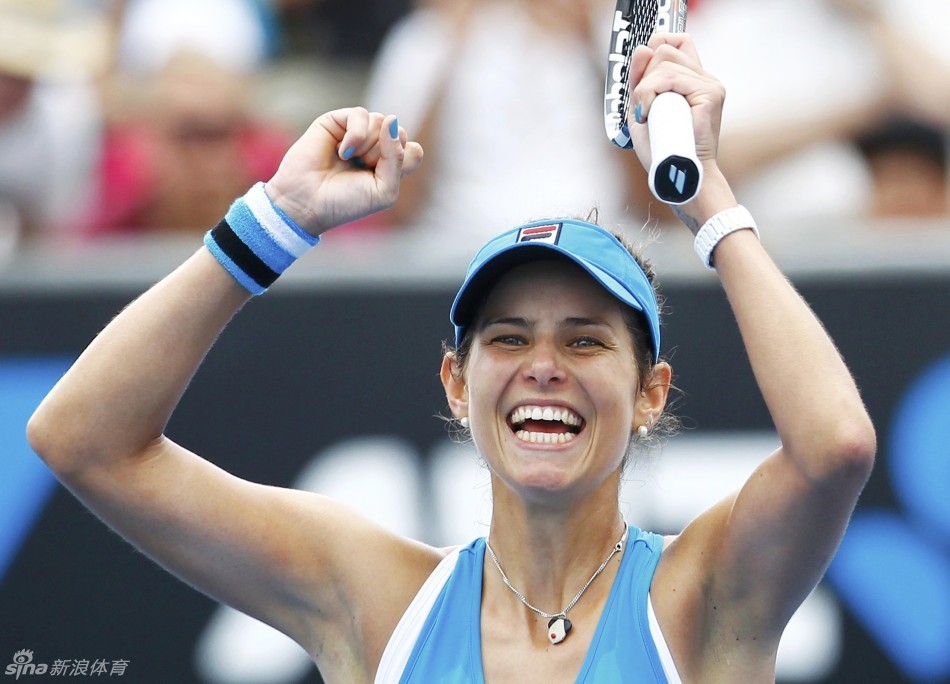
682	585
705	633
319	571
352	561
369	577
308	565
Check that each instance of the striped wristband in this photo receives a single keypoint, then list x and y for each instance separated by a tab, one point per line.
256	241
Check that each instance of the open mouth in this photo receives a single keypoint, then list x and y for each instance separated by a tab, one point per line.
545	424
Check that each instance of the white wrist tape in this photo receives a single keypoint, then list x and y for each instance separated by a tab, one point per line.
719	226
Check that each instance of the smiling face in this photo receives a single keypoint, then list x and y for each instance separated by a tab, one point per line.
550	385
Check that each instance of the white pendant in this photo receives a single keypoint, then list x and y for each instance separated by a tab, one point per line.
558	629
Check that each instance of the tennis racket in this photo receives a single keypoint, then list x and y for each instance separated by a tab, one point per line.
675	172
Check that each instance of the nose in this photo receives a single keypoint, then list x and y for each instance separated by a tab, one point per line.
543	366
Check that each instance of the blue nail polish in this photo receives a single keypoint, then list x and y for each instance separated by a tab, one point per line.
349	152
638	113
394	129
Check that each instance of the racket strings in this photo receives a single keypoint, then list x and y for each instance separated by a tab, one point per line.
643	16
642	23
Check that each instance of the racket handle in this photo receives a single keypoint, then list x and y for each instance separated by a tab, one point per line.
676	173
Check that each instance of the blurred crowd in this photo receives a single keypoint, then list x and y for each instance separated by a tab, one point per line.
145	117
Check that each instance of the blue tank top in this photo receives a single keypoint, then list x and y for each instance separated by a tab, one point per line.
449	647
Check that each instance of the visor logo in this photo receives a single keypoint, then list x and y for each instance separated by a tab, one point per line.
548	233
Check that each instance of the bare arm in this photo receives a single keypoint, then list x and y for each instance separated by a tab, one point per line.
748	150
280	555
910	70
912	65
786	522
749	562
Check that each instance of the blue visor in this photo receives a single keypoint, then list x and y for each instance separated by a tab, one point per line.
591	247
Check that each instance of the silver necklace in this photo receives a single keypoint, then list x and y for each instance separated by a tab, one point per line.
558	624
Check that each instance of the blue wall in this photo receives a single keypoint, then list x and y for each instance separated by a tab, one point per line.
70	588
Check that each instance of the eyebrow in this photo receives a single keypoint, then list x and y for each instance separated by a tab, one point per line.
518	322
570	322
580	322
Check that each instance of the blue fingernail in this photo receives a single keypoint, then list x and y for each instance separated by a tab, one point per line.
359	163
394	129
349	152
638	113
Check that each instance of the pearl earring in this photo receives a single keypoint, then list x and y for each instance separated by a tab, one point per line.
642	431
464	422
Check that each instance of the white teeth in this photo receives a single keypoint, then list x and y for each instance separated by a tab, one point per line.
545	437
563	415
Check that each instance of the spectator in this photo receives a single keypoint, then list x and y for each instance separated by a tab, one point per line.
521	81
789	138
907	161
786	138
50	118
179	159
239	34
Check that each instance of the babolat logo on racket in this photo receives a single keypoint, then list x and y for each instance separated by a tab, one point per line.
616	95
549	233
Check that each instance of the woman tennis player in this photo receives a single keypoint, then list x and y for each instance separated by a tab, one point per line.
557	373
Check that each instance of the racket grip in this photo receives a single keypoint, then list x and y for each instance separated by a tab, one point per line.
675	173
